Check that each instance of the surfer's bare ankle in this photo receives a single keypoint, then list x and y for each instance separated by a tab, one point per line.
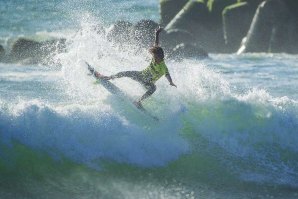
106	77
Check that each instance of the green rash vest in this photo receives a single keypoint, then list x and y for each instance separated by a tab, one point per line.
155	70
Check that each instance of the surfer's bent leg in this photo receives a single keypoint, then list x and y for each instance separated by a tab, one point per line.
151	88
138	76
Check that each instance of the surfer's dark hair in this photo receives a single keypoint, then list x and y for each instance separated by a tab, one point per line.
156	50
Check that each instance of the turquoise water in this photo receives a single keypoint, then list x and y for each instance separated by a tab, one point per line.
228	131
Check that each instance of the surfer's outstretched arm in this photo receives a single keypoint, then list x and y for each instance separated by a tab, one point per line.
157	31
168	76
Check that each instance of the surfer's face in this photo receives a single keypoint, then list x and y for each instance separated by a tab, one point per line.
157	53
156	57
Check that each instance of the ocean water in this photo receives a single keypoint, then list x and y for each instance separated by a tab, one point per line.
229	129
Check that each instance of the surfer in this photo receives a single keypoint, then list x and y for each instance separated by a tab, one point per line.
149	75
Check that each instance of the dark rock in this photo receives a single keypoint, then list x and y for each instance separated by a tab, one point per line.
292	6
267	33
99	29
35	51
53	46
173	37
236	21
216	8
120	32
291	36
215	24
187	51
193	15
24	48
143	33
169	8
193	18
2	53
290	27
284	38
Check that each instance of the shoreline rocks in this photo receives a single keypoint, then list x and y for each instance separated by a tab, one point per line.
219	26
33	52
191	19
236	22
187	50
266	33
142	35
2	53
119	32
168	9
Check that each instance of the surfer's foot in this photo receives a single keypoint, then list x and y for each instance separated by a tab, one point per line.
90	69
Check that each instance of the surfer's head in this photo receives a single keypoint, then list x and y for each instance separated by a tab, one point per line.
157	52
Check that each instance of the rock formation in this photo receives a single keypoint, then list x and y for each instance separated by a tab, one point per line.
219	26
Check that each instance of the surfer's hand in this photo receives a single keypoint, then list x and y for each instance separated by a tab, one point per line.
158	30
172	84
90	69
